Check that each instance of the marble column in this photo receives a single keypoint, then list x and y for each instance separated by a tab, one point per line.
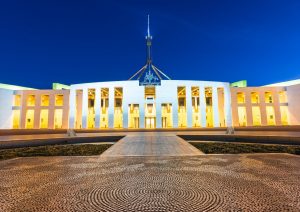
72	108
97	107
189	109
84	117
202	106
215	103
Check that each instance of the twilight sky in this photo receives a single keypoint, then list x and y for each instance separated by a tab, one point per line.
104	40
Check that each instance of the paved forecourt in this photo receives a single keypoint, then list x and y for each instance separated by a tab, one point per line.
151	171
151	144
249	182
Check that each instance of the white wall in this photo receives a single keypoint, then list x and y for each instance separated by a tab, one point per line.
6	113
293	96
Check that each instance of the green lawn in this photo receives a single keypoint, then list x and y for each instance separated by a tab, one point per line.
54	150
234	148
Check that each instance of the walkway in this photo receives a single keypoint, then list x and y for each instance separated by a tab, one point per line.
151	144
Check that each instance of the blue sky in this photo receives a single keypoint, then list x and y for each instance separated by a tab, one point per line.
87	41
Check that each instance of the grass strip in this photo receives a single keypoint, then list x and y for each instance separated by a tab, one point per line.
54	150
234	148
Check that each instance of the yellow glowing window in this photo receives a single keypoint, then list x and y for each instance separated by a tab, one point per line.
58	113
17	100
240	98
254	98
268	97
209	116
104	102
150	108
31	100
284	115
45	100
118	103
282	97
256	116
208	96
242	114
44	118
16	119
59	100
150	92
270	115
181	102
29	124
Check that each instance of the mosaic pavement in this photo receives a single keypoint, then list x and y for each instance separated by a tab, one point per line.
257	182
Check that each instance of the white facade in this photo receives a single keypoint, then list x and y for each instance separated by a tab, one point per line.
150	99
6	112
133	93
129	105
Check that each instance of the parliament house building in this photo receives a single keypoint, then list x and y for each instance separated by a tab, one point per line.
150	99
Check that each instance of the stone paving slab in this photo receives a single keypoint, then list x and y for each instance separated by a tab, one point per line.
151	144
256	182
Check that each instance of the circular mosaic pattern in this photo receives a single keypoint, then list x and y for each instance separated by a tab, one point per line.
153	193
204	183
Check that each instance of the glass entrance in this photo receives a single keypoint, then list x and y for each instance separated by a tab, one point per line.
150	122
150	115
133	116
166	115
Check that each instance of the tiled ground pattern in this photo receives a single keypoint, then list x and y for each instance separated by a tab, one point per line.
217	182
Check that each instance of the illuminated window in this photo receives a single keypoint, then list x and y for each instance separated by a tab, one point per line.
30	100
134	116
150	92
17	100
16	119
195	106
118	97
29	124
209	108
118	112
104	107
182	115
44	119
242	116
59	100
208	96
91	108
240	97
256	116
150	109
166	115
268	97
104	99
150	116
270	115
282	97
45	100
284	115
58	113
254	98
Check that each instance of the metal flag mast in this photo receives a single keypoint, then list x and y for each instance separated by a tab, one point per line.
149	71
